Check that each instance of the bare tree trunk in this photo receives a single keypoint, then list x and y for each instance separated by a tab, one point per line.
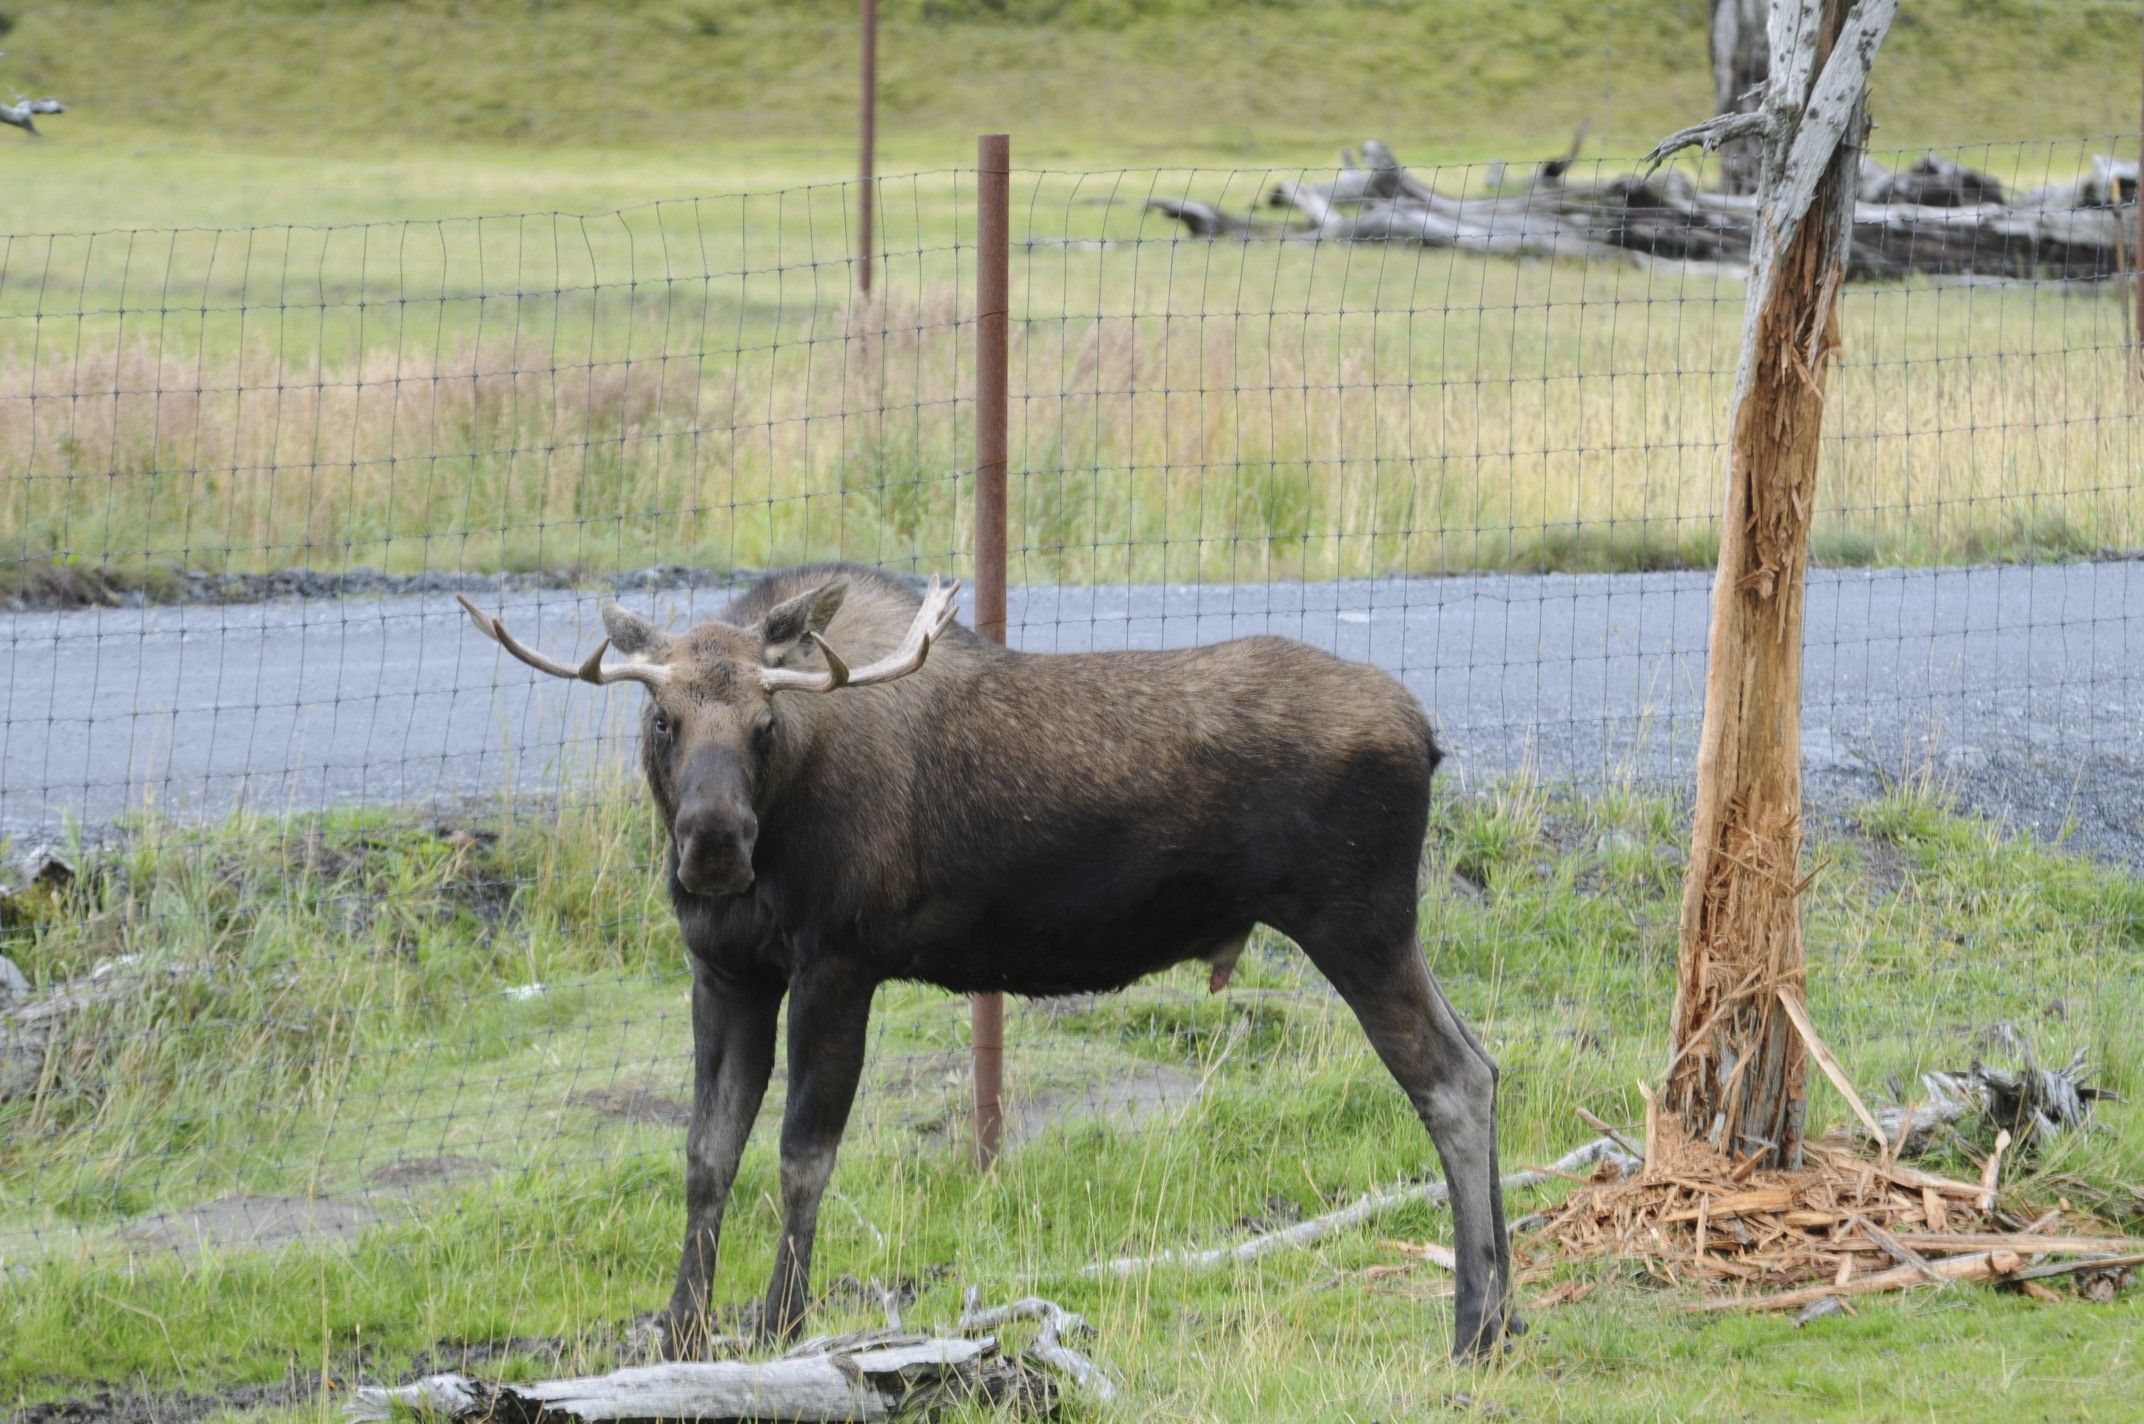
1741	59
1738	1077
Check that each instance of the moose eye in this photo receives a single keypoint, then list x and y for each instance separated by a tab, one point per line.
763	735
660	725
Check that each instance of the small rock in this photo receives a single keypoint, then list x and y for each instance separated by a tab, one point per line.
46	869
14	984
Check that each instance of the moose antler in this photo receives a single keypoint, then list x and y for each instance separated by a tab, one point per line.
931	620
650	675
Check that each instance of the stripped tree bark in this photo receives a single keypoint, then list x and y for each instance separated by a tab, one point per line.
1738	1077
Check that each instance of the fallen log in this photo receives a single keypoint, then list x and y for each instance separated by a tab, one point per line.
1930	181
872	1375
866	1385
1934	217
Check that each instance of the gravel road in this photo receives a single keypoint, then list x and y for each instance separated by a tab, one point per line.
2022	686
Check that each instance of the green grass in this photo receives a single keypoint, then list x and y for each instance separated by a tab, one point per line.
726	82
354	1014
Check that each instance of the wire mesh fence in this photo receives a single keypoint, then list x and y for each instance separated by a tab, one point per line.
345	910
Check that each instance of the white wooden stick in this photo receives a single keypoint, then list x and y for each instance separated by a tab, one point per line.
1367	1207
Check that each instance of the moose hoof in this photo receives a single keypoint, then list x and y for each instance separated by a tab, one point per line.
1485	1336
682	1336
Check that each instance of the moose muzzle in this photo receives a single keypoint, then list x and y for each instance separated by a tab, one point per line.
714	834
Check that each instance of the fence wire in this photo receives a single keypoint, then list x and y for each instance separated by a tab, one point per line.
328	908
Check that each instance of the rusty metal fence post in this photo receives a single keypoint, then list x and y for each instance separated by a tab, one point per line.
993	163
867	161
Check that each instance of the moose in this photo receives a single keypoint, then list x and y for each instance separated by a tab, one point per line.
983	819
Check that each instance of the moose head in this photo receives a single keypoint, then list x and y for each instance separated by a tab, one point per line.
713	734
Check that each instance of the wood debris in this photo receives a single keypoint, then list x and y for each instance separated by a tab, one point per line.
1842	1224
2031	1103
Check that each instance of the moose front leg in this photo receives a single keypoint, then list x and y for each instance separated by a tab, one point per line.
733	1054
829	1013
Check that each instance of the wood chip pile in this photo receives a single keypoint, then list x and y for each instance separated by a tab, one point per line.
1842	1224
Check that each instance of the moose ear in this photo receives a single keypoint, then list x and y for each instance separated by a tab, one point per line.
629	632
787	622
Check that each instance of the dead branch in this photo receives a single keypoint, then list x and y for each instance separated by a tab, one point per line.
2029	1102
23	113
1365	1208
1204	219
1049	1348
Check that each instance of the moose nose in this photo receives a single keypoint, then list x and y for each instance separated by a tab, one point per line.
714	851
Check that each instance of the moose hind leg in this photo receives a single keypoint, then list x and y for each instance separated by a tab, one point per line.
1451	1082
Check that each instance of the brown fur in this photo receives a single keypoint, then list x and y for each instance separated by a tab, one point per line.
1037	824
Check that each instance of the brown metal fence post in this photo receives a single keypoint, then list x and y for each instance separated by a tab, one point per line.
868	162
993	163
2137	254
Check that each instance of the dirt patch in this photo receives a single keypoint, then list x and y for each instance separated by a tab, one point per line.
424	1171
630	1102
461	1356
257	1223
1139	1096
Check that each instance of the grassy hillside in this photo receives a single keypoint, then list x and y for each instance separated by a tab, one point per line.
728	81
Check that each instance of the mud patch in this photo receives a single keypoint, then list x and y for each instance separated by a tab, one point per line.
1141	1095
164	1406
249	1222
636	1103
462	1356
406	1172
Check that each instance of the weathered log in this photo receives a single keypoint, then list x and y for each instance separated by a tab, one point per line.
1931	181
1934	218
865	1385
875	1374
2029	1102
1202	219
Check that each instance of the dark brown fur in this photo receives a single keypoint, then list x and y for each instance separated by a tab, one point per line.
1034	824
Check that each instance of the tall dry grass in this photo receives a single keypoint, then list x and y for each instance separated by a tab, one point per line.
1160	441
